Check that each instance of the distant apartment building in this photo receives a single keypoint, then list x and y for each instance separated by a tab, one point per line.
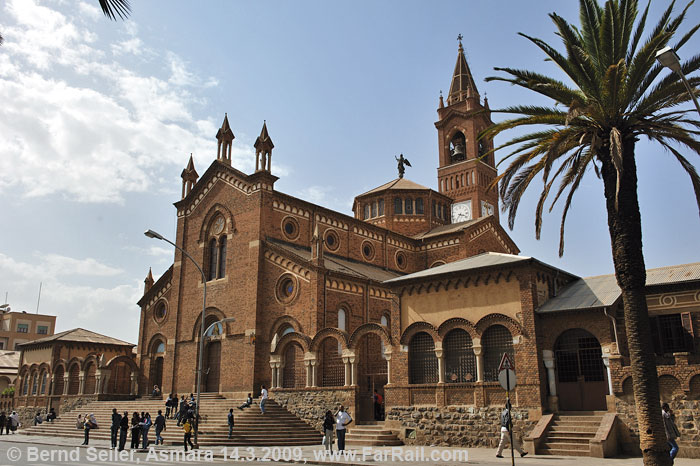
21	327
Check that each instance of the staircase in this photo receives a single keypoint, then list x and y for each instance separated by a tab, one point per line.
570	434
372	435
276	427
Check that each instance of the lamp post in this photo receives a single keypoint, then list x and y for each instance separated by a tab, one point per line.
153	234
667	57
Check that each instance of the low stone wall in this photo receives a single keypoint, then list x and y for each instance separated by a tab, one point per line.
687	414
463	426
311	404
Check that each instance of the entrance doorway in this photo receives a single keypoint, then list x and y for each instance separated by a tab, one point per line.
581	382
212	367
157	372
371	376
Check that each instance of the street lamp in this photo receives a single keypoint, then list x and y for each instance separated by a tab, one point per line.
200	362
667	57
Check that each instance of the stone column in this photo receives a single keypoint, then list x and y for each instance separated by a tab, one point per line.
478	352
314	373
548	359
606	361
66	379
307	365
353	371
134	384
441	362
279	367
98	383
387	356
346	361
274	373
106	373
82	382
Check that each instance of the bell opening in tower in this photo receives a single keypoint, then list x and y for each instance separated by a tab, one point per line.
457	147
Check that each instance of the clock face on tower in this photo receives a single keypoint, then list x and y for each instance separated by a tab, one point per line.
486	209
461	211
219	225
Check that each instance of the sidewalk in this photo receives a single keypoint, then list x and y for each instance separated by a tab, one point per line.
389	456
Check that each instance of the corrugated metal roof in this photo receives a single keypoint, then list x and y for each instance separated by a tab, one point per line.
398	183
78	335
602	290
475	262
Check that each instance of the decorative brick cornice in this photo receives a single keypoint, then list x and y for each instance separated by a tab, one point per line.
401	244
344	286
288	265
440	244
367	233
158	295
291	209
380	293
332	222
228	178
678	300
456	282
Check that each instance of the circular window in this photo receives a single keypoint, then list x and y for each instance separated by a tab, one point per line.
290	228
160	312
332	240
287	288
400	260
367	250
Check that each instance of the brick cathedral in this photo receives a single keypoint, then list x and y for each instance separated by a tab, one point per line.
417	295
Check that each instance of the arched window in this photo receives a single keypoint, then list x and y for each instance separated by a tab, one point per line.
44	379
419	206
374	209
160	348
381	207
495	341
213	250
366	211
285	330
422	362
460	360
384	321
294	372
409	206
35	384
222	257
25	391
398	205
457	147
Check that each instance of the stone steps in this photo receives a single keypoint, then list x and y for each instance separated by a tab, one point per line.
276	427
371	435
570	434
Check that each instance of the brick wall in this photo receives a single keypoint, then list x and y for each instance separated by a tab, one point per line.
311	404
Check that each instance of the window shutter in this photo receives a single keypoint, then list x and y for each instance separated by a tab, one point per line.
687	322
655	337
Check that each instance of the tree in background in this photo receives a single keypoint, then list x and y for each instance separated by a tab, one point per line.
616	95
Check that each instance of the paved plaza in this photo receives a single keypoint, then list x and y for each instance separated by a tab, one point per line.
25	450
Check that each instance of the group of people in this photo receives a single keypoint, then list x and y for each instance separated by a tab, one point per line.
139	425
9	423
335	424
50	417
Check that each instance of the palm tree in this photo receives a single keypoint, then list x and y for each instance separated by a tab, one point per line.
111	9
616	96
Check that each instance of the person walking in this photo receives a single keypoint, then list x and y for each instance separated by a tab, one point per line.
160	426
672	432
182	412
3	418
342	419
14	422
263	399
123	429
328	428
230	423
168	402
506	429
146	424
248	402
116	423
90	423
187	428
135	430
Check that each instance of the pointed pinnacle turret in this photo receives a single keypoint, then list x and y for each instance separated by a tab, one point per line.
263	141
225	137
189	177
225	133
463	85
263	150
148	282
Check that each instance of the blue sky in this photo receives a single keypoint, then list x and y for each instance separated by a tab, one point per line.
98	118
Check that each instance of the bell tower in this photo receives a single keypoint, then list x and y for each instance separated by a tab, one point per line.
465	170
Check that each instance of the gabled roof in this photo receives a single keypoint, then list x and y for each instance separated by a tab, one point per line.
451	228
336	264
602	290
79	335
397	184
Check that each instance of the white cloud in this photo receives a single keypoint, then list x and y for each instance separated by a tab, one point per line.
96	141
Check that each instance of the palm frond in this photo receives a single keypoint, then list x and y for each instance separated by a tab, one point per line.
114	8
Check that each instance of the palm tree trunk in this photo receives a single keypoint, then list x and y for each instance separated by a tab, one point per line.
624	224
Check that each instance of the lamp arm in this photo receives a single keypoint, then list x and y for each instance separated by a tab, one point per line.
690	90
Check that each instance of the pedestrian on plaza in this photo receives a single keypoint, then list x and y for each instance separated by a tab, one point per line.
80	423
123	429
90	423
378	400
183	411
160	426
135	430
51	416
263	399
230	423
328	429
38	419
3	419
14	422
7	425
342	419
168	404
191	397
672	432
146	424
116	423
187	428
248	402
506	430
